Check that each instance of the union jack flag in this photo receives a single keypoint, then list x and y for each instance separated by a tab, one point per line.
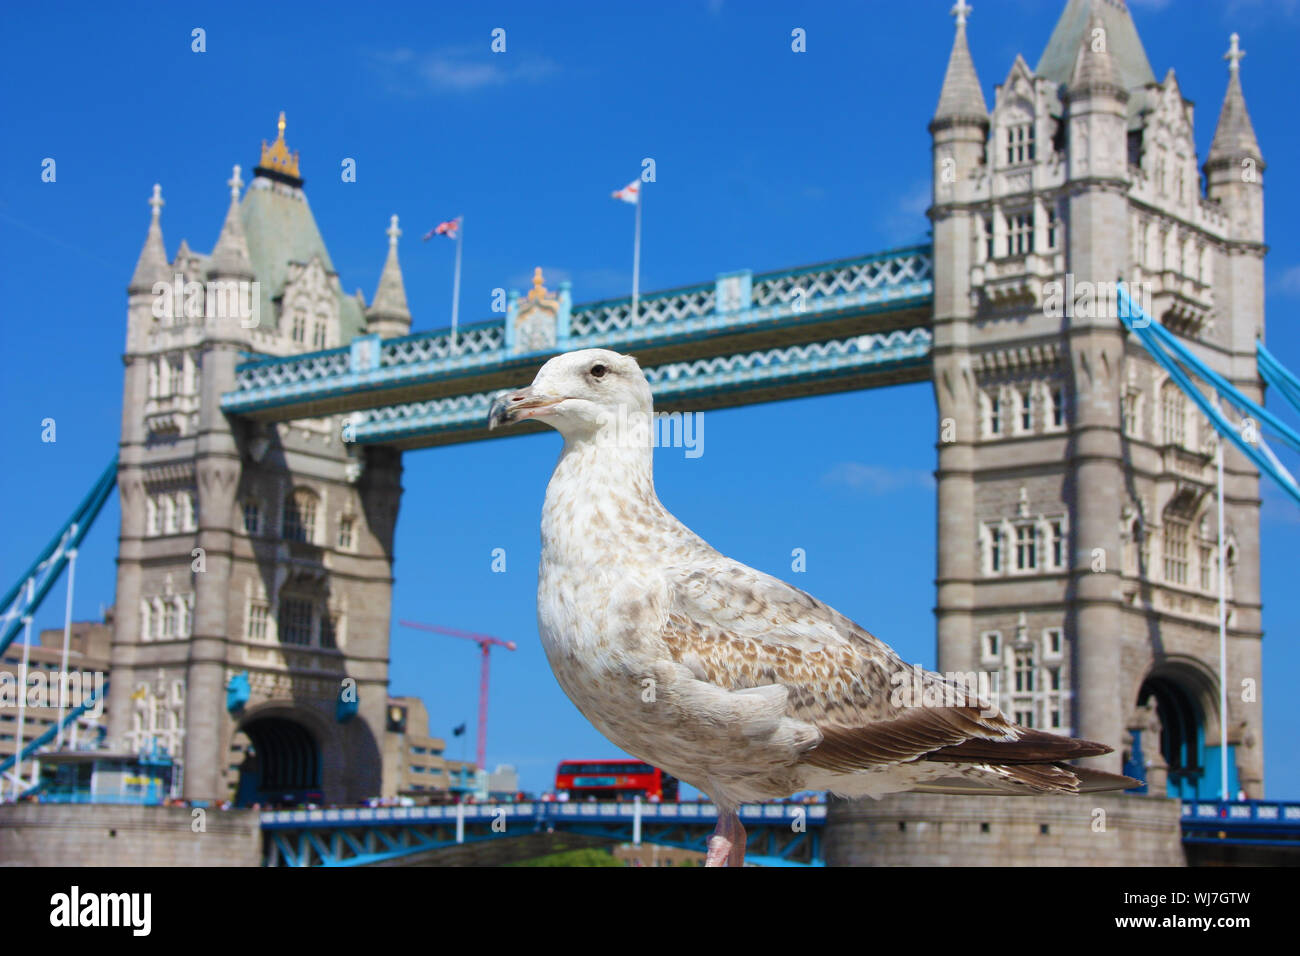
448	229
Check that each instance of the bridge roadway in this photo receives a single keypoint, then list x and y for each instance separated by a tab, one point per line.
744	338
780	834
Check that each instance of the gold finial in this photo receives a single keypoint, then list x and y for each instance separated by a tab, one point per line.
277	155
539	289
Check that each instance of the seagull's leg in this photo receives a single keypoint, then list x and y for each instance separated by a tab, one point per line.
727	845
737	857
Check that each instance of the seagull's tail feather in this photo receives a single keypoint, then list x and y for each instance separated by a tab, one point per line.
1029	779
1032	746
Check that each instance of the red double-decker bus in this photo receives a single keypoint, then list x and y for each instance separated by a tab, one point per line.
614	780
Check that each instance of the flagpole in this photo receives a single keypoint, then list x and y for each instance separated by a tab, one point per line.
636	254
1223	641
455	289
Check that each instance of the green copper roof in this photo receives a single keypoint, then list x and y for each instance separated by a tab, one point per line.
1122	42
280	229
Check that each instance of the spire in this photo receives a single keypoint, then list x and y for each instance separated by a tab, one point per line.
389	306
961	97
230	257
1094	67
152	265
1060	58
1234	139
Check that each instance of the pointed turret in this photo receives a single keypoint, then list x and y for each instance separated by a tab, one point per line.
389	316
961	97
1094	67
152	265
1235	136
230	258
1234	167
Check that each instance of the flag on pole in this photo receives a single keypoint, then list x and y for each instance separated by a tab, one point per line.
629	193
448	229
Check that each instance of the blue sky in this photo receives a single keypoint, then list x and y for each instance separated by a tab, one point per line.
765	159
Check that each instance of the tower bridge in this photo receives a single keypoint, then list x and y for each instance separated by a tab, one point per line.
277	449
850	324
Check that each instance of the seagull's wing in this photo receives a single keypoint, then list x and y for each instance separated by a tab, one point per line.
737	628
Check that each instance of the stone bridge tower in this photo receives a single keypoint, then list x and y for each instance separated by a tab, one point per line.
1078	557
255	562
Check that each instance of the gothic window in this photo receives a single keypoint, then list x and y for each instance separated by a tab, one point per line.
1057	531
997	549
252	518
346	532
1025	718
991	643
1021	235
1175	549
1052	643
1056	396
990	248
1207	567
299	328
185	507
1024	671
1026	547
295	621
995	413
328	628
1053	227
1129	406
169	514
1025	398
168	618
318	334
300	516
255	629
1020	143
1173	414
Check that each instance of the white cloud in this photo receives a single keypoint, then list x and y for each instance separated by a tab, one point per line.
455	70
877	479
1288	282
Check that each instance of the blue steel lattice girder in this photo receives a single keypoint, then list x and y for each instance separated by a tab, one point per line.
329	382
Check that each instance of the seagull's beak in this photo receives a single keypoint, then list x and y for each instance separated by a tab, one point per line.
518	406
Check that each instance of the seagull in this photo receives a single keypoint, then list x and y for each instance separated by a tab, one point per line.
725	677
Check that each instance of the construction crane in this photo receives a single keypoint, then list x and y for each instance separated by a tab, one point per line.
485	643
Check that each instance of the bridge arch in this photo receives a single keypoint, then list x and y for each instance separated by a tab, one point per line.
1183	693
283	759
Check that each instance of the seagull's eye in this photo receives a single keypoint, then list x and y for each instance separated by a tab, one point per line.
598	371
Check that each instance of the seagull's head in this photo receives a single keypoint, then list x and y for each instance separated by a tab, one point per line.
579	394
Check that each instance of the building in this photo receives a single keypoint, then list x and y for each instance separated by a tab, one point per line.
249	553
84	679
414	762
1078	558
